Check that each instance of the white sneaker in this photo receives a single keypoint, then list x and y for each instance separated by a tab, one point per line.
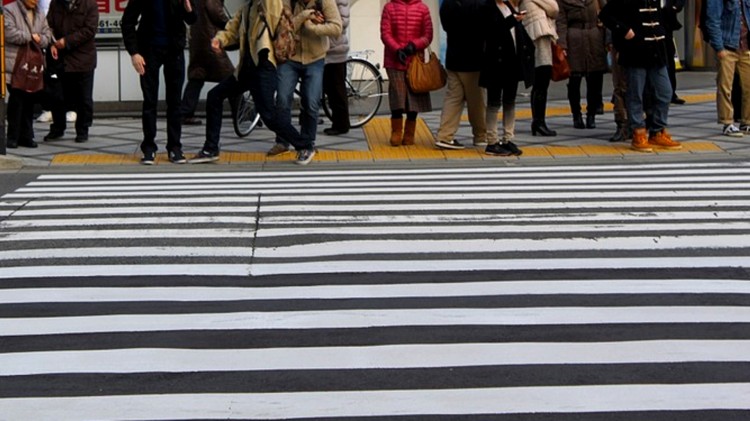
44	117
70	116
732	130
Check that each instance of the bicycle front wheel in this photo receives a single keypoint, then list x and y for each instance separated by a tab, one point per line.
364	91
244	115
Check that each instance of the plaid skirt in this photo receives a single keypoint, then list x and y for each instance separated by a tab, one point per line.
401	98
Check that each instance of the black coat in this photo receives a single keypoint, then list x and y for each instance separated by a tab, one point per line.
77	23
649	46
502	58
459	20
140	14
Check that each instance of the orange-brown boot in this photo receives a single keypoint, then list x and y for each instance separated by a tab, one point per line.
663	140
640	141
409	129
397	131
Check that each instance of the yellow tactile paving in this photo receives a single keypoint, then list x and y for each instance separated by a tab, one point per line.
468	153
354	155
105	159
233	157
415	153
69	159
701	147
392	154
326	156
535	152
565	150
596	150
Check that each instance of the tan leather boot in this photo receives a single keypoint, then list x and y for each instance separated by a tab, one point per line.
640	141
397	131
409	129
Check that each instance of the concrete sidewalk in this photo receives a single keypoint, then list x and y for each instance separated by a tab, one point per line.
115	141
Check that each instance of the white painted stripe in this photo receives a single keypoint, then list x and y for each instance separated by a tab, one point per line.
99	252
487	229
68	271
137	234
365	318
386	403
454	265
599	243
5	214
231	199
534	180
141	221
331	292
144	360
300	192
202	210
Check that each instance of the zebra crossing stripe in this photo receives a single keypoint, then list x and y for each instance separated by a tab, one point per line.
381	290
388	403
364	318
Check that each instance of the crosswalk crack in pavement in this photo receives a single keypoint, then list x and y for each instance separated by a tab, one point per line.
541	293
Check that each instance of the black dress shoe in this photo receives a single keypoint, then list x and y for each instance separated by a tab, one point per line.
81	138
334	132
54	134
677	100
28	144
578	122
11	144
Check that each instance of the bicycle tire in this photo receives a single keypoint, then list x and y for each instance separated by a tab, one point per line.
244	116
364	91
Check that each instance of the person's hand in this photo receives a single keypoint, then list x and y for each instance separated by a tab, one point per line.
216	46
410	48
60	44
139	64
630	35
37	38
188	6
53	51
520	15
721	54
318	17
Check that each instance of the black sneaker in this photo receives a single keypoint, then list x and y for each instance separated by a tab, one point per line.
176	157
54	135
148	158
513	148
497	149
204	156
305	156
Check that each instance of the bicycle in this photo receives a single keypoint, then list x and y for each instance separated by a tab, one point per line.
364	89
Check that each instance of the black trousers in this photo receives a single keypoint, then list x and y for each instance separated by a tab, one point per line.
173	62
190	97
334	88
78	91
542	77
20	114
594	82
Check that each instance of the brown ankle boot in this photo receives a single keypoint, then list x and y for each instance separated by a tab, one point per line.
640	141
409	129
397	131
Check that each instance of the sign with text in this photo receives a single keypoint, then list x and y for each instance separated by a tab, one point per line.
110	17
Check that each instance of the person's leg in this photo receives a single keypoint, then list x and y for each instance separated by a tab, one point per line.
174	77
475	104
287	77
594	82
634	104
453	107
574	98
263	85
658	81
190	99
494	102
84	105
410	128
150	88
542	77
724	78
743	71
510	90
214	111
619	87
14	117
311	90
26	130
334	86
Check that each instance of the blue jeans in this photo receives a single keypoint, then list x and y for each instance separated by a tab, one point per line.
657	80
261	80
310	77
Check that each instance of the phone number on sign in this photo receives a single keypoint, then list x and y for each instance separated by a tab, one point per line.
110	26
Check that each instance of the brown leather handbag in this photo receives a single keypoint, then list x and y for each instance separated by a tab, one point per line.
425	75
560	65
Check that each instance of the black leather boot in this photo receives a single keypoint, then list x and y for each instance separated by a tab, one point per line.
621	135
540	128
590	121
578	121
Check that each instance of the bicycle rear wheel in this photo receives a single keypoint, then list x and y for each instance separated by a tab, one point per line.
364	91
244	116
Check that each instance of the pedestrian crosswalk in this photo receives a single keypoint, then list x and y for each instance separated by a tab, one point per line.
512	293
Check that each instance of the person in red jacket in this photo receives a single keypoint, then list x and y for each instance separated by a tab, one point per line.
405	29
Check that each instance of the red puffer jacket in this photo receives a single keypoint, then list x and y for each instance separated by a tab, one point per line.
404	21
